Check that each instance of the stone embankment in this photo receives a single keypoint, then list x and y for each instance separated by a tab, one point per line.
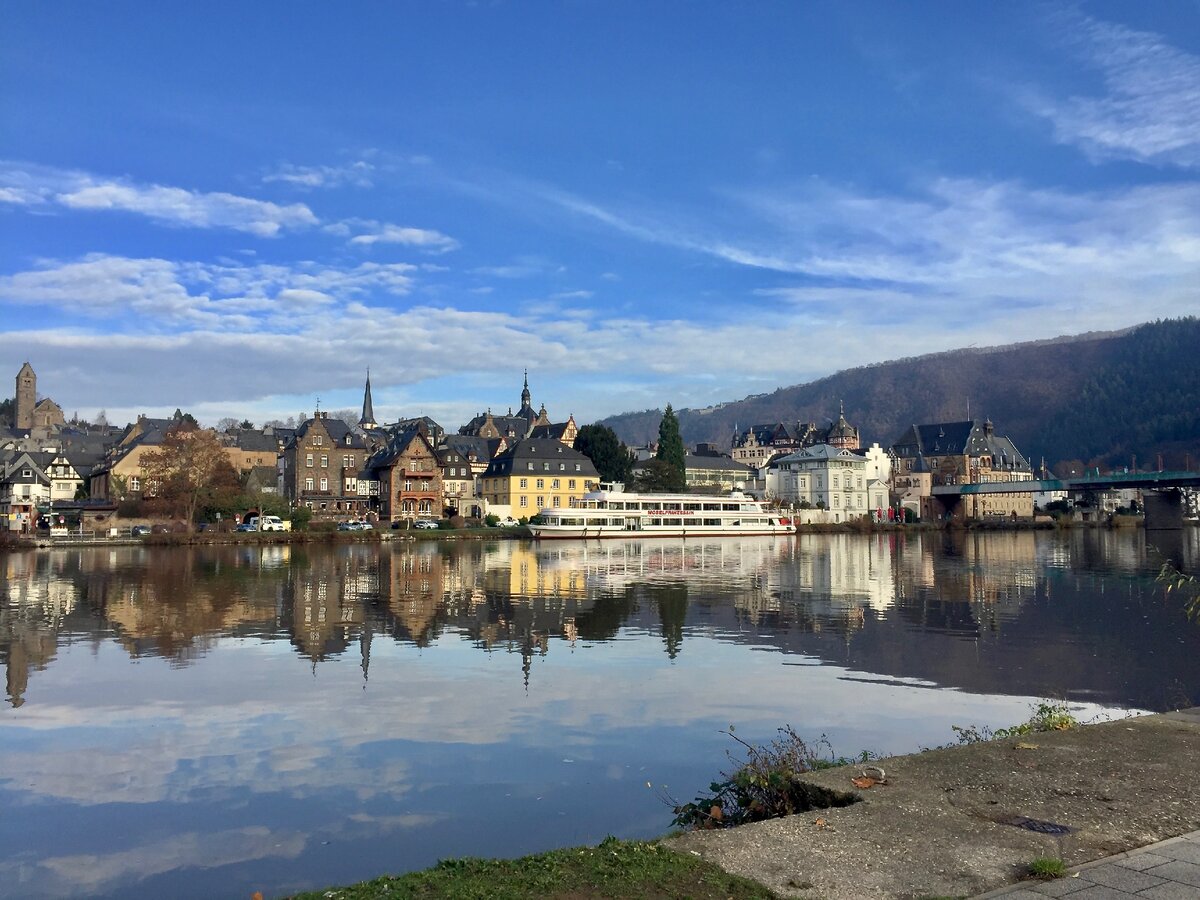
962	821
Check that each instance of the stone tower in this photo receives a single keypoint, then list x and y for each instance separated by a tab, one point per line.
26	397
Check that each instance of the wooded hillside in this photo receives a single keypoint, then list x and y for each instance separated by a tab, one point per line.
1096	398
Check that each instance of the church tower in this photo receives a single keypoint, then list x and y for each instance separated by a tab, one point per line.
526	411
368	414
26	397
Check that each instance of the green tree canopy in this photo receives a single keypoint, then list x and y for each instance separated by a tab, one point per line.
670	449
608	454
655	475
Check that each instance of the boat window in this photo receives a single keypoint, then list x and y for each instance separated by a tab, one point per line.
712	521
712	505
729	507
691	521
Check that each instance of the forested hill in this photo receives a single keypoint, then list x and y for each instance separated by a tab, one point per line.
1095	398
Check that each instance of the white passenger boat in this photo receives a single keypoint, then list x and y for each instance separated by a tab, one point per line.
612	511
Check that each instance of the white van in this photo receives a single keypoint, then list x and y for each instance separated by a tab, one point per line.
270	523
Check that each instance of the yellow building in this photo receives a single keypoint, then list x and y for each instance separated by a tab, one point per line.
534	474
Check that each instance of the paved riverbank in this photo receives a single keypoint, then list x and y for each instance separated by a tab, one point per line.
966	820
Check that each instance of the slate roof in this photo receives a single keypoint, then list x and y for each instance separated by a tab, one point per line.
819	451
549	431
966	438
767	434
467	445
337	431
715	463
537	452
255	441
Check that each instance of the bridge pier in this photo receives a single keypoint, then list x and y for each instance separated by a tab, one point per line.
1164	509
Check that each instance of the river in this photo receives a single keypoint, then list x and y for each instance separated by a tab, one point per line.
208	722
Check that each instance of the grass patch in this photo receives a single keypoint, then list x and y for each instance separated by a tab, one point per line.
1047	868
618	869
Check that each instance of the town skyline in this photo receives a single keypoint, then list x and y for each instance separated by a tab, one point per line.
636	204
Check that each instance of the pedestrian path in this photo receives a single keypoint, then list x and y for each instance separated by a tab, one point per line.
1169	870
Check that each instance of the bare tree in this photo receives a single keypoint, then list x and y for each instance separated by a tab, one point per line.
189	468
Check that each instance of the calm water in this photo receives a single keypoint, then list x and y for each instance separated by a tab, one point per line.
210	722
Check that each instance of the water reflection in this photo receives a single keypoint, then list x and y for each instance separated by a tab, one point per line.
214	721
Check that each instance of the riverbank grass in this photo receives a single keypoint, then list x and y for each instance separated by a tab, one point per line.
615	868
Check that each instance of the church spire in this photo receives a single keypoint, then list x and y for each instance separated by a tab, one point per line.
526	411
368	413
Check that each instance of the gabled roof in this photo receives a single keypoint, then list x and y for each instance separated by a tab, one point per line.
396	447
335	428
967	438
550	431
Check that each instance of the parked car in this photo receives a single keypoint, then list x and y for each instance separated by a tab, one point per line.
270	523
425	523
355	525
246	526
139	530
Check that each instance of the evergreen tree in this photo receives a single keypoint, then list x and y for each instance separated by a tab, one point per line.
670	448
608	454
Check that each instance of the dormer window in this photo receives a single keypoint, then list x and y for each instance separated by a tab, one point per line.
347	440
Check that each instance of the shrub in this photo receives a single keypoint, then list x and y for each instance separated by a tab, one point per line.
766	785
1047	716
491	520
301	516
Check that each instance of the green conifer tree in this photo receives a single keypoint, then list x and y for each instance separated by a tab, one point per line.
670	448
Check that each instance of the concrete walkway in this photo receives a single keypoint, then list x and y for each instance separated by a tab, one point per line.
963	821
1168	870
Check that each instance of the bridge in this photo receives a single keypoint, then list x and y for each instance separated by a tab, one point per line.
1164	493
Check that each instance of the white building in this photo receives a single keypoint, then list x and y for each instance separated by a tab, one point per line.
827	478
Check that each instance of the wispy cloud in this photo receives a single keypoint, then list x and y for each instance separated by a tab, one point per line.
359	173
32	185
1150	108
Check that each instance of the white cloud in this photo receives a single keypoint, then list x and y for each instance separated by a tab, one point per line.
359	173
1150	110
180	207
44	185
372	232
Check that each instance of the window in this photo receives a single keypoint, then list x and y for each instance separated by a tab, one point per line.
530	467
545	467
308	484
571	484
135	483
562	467
556	502
425	484
347	440
324	483
578	468
554	484
524	483
324	461
524	501
541	483
317	440
347	462
308	460
541	501
408	484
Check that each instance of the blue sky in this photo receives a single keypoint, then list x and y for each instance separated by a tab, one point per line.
238	208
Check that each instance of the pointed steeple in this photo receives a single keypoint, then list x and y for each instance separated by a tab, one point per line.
526	411
368	413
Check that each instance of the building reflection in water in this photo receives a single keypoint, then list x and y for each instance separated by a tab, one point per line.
519	597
